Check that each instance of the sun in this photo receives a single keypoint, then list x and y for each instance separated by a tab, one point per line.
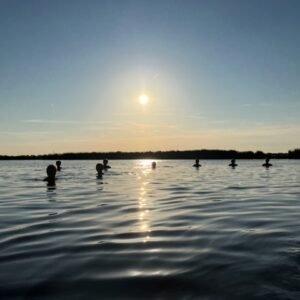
143	99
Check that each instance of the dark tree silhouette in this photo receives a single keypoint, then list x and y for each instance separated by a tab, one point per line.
189	154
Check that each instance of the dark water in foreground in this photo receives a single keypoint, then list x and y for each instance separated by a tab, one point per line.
169	233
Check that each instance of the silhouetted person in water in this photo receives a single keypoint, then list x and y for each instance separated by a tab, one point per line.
51	171
267	164
232	164
99	168
197	165
58	165
105	164
154	165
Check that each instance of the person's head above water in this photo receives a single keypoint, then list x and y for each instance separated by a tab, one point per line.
58	165
51	171
233	161
153	165
267	160
105	164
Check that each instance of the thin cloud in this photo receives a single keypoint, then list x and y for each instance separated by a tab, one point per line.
40	121
30	133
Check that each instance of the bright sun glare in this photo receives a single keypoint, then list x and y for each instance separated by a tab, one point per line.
144	99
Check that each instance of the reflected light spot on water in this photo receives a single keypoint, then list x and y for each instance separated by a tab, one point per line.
146	239
144	162
143	216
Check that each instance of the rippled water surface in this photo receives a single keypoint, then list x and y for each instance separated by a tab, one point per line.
170	233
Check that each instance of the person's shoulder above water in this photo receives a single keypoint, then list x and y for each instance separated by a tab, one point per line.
99	169
267	165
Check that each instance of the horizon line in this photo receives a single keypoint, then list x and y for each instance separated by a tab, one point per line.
150	151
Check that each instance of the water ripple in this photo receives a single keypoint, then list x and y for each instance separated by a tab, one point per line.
138	233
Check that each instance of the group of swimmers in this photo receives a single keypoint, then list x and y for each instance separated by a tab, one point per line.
233	164
51	169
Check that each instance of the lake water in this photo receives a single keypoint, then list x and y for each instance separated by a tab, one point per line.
170	233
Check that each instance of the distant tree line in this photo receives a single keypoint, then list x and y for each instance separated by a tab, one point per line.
294	154
190	154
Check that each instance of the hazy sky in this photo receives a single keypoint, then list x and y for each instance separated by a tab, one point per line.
219	74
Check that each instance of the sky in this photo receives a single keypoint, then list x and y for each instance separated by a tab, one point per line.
219	74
